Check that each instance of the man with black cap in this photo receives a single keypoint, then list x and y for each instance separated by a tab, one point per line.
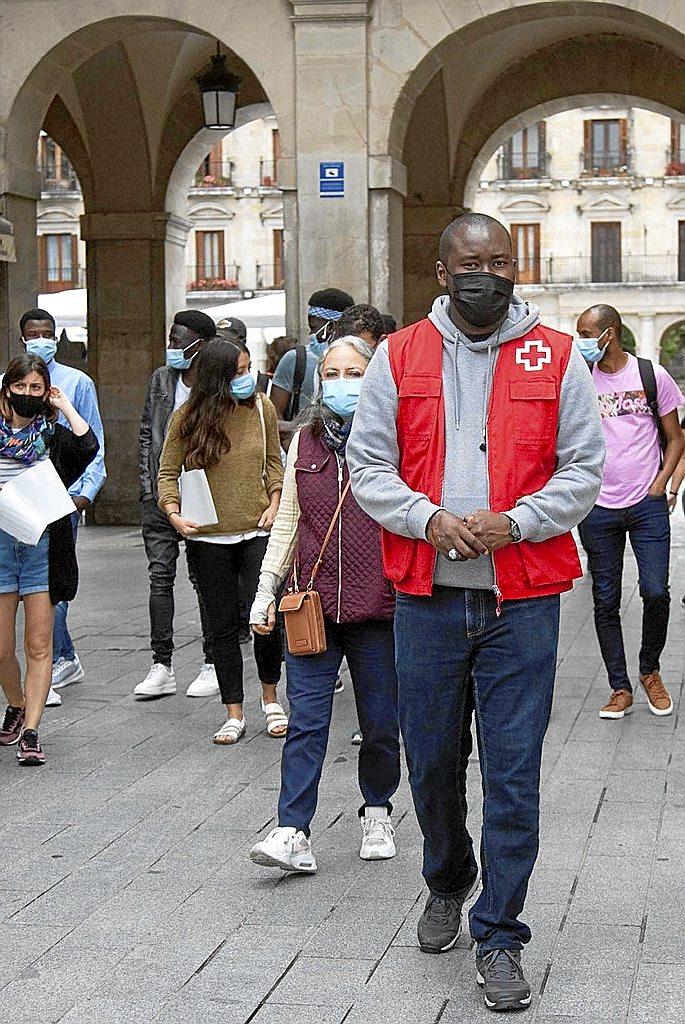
168	388
293	383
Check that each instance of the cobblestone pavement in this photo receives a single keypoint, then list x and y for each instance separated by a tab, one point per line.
127	896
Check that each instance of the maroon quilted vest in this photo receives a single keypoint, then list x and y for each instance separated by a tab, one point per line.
350	581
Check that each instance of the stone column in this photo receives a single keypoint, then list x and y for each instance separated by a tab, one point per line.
18	281
331	102
177	231
387	187
126	339
646	343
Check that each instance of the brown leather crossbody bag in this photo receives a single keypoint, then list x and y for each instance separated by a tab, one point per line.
302	610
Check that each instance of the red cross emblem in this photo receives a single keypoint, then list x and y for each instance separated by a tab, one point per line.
533	354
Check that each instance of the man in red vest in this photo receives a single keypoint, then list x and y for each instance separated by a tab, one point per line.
477	446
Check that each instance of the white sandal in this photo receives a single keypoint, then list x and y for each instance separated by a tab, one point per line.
276	719
231	731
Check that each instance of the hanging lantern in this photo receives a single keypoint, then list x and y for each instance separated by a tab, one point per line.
219	88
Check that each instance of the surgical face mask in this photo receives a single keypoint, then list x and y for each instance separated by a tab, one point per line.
243	386
481	298
43	347
176	357
26	406
341	395
589	347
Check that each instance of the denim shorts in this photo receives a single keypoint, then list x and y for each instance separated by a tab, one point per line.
23	567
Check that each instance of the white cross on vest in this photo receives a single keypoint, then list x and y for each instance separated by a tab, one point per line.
533	354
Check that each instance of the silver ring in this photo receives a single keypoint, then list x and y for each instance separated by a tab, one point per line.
453	555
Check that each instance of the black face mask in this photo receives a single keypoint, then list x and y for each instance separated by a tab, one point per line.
26	406
482	299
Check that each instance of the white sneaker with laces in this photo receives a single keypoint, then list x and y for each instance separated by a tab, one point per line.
285	848
66	671
159	682
53	699
378	835
205	684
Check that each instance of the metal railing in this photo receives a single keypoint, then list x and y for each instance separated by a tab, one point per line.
509	167
214	174
208	279
57	183
268	173
632	269
268	275
605	163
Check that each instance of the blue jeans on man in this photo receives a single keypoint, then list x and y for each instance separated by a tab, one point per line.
603	534
62	644
443	642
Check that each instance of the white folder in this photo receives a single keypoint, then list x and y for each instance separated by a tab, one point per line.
197	503
32	500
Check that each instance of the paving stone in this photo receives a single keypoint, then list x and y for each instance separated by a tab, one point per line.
659	994
593	992
323	982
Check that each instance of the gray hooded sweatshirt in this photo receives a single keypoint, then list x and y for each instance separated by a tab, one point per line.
468	368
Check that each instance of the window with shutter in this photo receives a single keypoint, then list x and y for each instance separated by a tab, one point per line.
606	252
526	245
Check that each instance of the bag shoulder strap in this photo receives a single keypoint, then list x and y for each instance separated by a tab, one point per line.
260	410
329	534
648	378
298	379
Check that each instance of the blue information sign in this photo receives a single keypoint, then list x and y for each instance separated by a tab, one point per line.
331	179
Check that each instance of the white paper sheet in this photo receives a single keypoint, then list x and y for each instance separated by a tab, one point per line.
197	503
33	500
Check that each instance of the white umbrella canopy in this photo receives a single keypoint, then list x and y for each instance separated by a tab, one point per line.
69	308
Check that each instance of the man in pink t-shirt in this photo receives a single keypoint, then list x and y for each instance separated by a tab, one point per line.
632	502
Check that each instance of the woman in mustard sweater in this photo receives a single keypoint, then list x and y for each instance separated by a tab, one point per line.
230	432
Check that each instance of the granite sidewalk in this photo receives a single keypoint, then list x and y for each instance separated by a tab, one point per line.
126	894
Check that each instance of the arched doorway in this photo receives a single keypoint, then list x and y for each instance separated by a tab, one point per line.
119	96
672	351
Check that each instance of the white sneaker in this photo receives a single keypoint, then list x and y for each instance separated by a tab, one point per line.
285	848
66	671
53	699
205	684
378	842
159	682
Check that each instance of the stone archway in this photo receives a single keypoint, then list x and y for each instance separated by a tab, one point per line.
672	350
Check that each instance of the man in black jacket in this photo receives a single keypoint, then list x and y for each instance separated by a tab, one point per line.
168	388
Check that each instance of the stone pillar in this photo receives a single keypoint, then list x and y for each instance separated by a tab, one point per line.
331	102
387	187
126	339
646	343
18	281
177	231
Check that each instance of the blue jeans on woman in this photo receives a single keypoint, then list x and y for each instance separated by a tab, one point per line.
603	534
370	653
442	642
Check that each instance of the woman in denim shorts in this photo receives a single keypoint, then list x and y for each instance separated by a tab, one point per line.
39	575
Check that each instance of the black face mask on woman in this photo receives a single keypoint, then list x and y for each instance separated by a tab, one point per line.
26	406
481	298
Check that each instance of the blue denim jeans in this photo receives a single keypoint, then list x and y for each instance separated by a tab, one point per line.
603	534
370	653
62	645
441	642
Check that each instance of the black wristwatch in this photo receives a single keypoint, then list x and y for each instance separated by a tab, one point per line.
514	529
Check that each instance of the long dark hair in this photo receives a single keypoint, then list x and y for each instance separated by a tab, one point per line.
17	369
204	426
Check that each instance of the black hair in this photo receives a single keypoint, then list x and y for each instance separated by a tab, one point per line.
331	298
36	314
389	323
361	318
196	320
607	316
480	221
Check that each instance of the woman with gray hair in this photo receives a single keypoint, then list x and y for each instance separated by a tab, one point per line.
358	606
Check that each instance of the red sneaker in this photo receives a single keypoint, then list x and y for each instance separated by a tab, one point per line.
12	726
30	750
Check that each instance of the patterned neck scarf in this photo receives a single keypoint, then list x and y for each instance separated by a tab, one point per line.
336	433
28	445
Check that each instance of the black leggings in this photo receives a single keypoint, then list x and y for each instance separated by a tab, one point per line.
224	572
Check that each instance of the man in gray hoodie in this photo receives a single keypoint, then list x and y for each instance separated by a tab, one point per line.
477	446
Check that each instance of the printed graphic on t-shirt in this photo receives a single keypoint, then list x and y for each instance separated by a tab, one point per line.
623	403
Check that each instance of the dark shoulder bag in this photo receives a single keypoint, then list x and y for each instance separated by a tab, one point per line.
648	378
293	406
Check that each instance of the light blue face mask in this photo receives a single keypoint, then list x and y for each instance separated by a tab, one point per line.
176	357
317	346
341	395
43	347
243	387
589	347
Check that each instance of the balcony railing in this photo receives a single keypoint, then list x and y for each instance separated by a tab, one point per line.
209	279
605	163
57	183
215	174
511	167
633	269
268	173
268	275
675	162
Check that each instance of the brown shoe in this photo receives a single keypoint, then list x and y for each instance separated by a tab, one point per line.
621	704
658	697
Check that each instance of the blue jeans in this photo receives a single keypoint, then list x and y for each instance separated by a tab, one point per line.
441	642
603	534
370	653
62	645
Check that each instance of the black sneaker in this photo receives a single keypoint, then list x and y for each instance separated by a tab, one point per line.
12	726
500	973
30	750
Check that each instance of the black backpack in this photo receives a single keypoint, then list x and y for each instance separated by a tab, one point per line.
293	406
648	378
